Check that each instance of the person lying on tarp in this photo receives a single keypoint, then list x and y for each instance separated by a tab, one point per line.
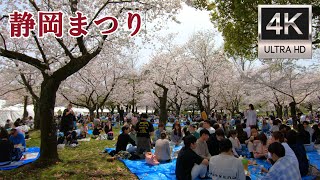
6	147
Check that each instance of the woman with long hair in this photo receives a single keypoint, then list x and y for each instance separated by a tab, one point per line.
262	149
176	134
242	136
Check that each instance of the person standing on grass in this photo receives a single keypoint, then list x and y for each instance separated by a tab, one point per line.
251	116
144	130
68	117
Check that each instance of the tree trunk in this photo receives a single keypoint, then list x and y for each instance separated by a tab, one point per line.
136	110
178	109
163	103
112	109
208	102
25	104
199	102
278	108
133	103
286	112
97	110
48	149
91	112
293	111
127	108
193	109
232	112
163	108
101	111
36	109
146	109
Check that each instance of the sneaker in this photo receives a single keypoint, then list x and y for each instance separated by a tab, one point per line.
73	145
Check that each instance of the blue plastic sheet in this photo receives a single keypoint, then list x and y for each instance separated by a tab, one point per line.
166	171
168	125
16	164
90	131
314	159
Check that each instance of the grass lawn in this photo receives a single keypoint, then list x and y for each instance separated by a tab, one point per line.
83	162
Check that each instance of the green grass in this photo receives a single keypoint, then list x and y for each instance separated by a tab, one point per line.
83	162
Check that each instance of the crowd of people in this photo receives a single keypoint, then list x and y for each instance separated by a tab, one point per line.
214	148
13	139
211	147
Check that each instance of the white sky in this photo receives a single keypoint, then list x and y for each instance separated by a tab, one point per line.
192	20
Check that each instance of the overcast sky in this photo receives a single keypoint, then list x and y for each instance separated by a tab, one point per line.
192	20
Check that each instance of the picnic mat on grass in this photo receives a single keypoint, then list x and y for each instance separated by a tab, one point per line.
166	171
90	131
314	158
32	154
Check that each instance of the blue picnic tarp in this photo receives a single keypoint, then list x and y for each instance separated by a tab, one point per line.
34	151
314	159
166	171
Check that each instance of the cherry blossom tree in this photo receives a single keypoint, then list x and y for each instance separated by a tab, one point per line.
93	85
287	78
203	62
231	90
58	58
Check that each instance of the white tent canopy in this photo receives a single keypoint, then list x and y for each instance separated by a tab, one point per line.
14	112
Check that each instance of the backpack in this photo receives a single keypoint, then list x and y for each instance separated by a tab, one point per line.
110	135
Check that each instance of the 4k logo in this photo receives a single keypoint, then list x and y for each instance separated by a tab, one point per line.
285	31
287	23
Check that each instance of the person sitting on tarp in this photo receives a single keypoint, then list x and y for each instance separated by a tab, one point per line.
176	134
162	148
97	130
190	165
19	143
202	147
124	139
284	167
225	165
8	124
6	147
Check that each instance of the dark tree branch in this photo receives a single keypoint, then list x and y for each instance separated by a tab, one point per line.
97	14
4	41
23	58
80	41
12	90
155	93
28	86
82	47
108	94
64	47
162	86
33	3
75	103
40	48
